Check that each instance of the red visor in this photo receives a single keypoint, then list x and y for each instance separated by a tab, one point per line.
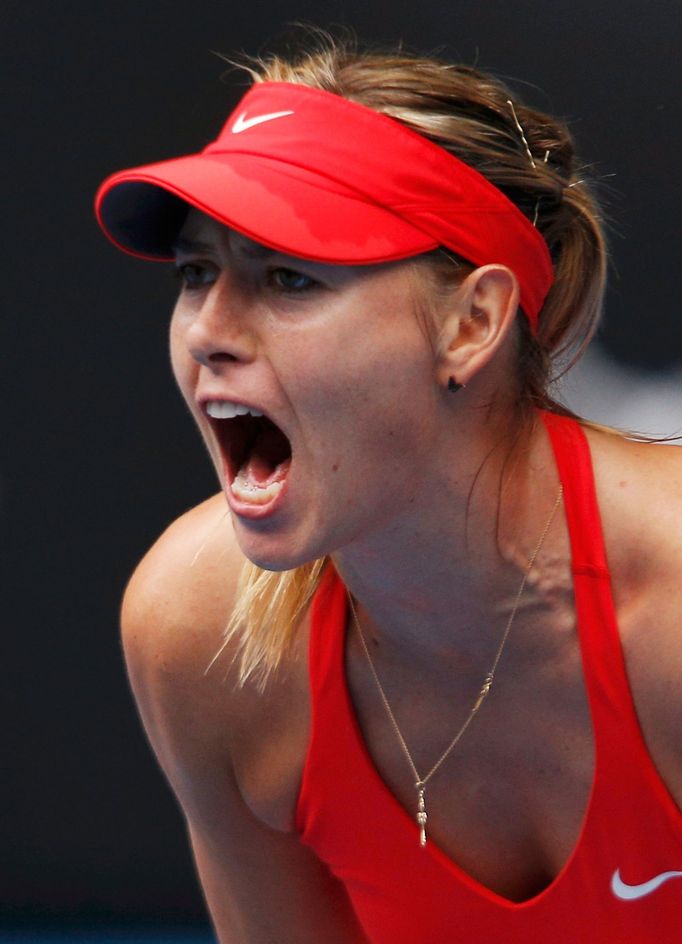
314	175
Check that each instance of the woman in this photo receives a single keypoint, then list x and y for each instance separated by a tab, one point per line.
427	730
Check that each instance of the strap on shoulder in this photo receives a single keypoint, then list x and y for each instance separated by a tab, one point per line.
574	463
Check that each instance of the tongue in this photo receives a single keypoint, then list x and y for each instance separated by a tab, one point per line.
268	460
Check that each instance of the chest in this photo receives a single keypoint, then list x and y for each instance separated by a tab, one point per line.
507	802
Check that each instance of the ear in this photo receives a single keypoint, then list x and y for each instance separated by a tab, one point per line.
479	318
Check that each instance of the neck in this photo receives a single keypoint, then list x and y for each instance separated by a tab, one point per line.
443	575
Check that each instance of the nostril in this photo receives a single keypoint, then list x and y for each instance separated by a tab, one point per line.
210	355
222	356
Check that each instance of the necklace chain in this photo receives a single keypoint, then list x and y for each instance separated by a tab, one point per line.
419	781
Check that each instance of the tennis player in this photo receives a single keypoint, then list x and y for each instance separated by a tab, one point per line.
413	674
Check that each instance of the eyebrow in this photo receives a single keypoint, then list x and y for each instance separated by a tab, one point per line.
252	250
183	244
255	250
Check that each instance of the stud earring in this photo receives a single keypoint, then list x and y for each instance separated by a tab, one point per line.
453	386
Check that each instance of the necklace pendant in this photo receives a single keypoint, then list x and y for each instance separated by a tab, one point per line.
421	816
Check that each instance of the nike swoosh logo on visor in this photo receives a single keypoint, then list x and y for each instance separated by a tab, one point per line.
243	123
632	892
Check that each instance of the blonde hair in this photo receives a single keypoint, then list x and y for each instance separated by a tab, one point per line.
471	114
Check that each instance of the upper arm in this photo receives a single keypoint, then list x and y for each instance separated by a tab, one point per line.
264	887
260	885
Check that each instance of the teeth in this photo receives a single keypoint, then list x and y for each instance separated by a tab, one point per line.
252	493
226	410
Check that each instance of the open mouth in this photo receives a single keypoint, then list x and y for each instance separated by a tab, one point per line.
257	454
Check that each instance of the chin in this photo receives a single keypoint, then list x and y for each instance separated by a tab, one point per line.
273	552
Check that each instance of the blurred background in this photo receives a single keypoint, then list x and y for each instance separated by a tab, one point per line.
100	453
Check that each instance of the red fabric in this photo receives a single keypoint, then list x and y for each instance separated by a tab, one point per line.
317	176
404	894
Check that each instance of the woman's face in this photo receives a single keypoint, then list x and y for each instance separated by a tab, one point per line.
335	357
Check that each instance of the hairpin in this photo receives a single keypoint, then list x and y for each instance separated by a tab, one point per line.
530	156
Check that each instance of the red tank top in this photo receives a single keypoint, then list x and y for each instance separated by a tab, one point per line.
623	880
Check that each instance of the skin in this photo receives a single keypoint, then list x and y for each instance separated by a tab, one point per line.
385	461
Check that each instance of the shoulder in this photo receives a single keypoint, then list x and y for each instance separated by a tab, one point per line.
204	727
223	762
195	563
639	489
179	599
175	606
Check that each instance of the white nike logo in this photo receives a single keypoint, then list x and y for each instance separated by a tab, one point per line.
243	123
632	892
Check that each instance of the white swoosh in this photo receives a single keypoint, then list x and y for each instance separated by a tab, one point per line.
243	123
632	892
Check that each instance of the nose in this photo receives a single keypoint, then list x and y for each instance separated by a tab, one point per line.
218	329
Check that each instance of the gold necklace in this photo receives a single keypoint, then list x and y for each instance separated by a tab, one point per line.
420	782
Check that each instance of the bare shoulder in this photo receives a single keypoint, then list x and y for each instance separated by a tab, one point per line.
201	722
175	606
193	566
228	752
639	489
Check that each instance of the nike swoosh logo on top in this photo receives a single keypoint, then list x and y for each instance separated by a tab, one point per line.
632	892
243	123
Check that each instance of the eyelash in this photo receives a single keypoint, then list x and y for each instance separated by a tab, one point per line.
277	270
181	274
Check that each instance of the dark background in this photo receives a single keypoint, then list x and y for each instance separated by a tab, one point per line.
101	453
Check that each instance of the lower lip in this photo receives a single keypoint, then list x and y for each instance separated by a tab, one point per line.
249	509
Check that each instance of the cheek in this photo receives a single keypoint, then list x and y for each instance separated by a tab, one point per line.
183	365
368	404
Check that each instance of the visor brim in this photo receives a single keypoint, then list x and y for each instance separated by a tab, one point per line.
284	207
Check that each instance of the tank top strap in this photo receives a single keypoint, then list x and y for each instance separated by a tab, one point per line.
574	464
333	754
327	625
615	722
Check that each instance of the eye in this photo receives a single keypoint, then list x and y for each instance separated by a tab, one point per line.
192	275
288	280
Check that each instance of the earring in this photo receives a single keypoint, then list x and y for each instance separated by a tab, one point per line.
453	386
